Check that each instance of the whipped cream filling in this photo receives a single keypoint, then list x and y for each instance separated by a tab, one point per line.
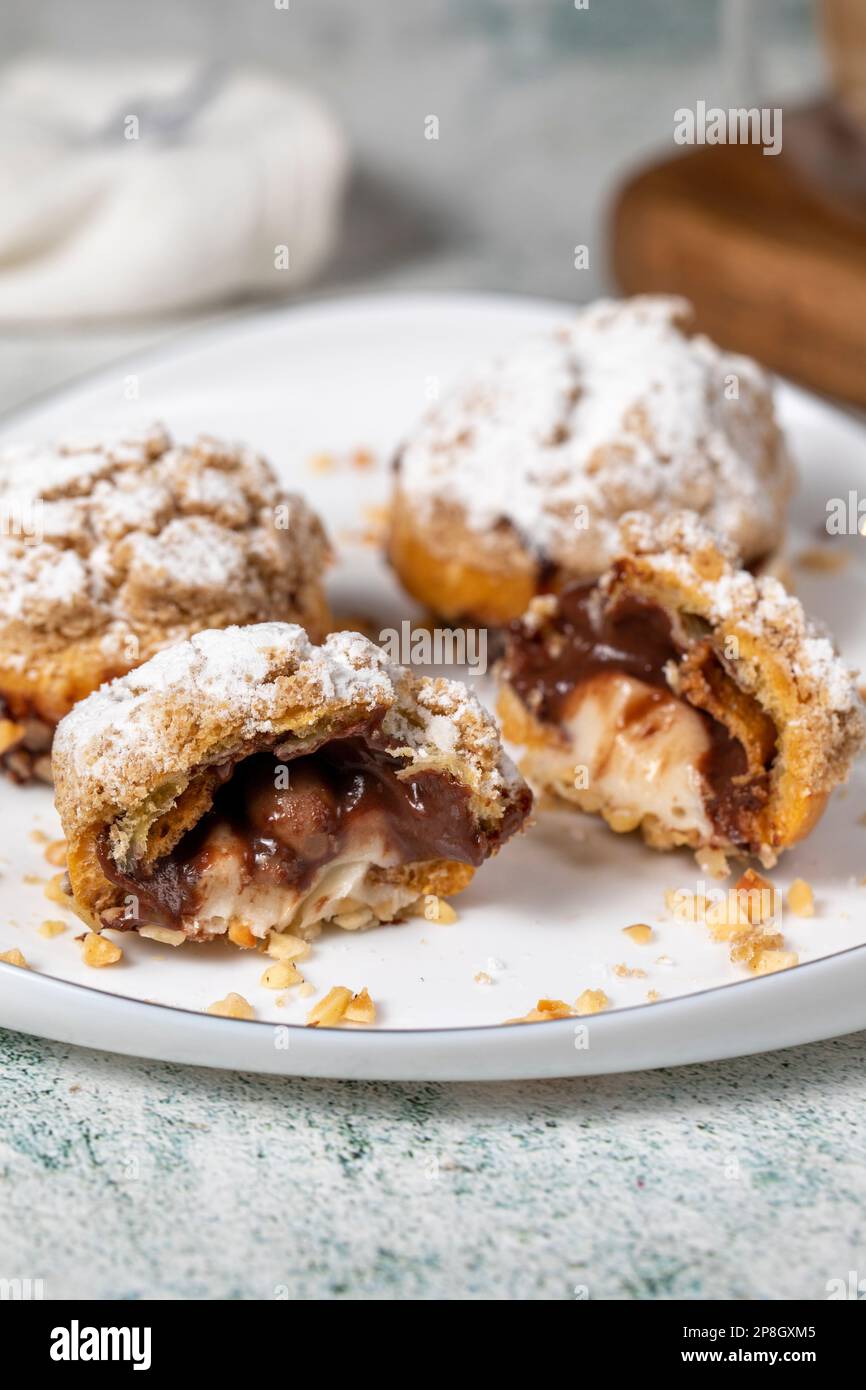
338	888
635	749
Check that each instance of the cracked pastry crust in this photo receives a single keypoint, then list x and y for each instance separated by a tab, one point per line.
515	483
250	779
115	548
683	696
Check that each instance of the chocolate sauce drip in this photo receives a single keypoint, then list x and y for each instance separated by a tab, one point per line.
285	833
632	637
635	640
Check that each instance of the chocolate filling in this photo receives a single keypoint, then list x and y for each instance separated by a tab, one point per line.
633	637
286	833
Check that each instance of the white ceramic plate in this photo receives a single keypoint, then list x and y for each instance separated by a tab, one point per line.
546	917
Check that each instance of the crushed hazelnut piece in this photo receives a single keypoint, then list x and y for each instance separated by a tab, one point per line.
761	897
592	1001
330	1008
284	946
640	933
544	1011
771	961
801	900
360	1009
438	910
14	957
233	1006
240	934
51	928
55	853
281	975
98	950
750	946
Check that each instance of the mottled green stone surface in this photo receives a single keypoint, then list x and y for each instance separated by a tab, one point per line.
133	1179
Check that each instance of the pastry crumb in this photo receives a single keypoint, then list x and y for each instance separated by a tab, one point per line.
321	463
481	977
306	990
652	996
233	1006
55	853
623	972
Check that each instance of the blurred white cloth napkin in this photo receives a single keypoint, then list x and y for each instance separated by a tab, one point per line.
233	185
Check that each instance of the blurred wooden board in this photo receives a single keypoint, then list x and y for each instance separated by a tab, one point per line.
773	269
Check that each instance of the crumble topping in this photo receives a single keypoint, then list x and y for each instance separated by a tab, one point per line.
137	540
619	409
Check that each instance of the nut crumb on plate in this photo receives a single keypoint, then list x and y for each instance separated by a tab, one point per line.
14	957
640	933
360	1009
330	1008
281	975
438	910
52	928
233	1006
97	950
801	900
591	1001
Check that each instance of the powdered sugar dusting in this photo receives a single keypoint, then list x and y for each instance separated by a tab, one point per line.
618	410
